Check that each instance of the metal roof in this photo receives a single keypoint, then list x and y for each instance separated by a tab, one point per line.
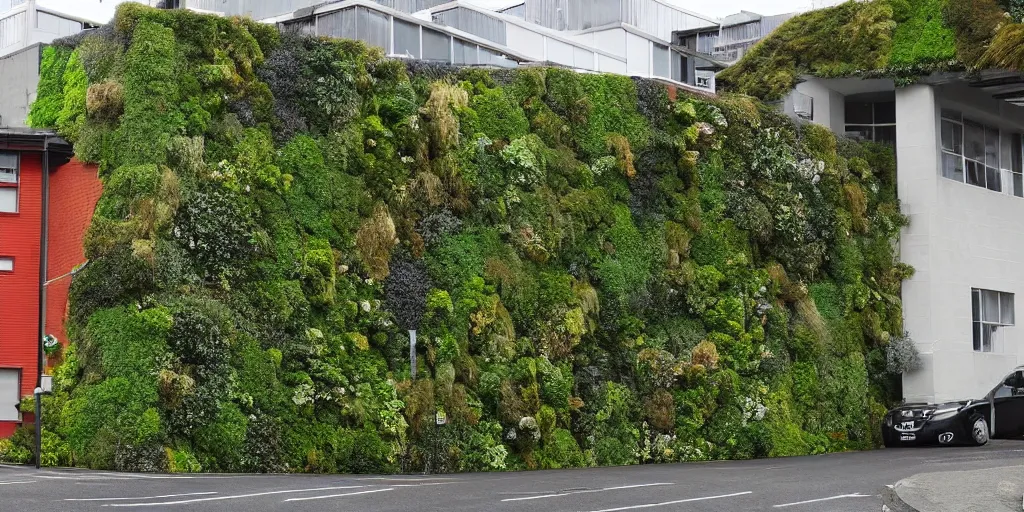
30	139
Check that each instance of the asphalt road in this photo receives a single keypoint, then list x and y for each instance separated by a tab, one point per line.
844	482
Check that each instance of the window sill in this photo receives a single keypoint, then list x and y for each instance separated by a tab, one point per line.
976	187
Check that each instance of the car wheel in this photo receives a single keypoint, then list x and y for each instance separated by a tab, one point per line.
979	430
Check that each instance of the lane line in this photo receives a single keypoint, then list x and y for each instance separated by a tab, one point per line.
235	497
667	503
144	497
421	485
840	497
18	482
587	491
338	495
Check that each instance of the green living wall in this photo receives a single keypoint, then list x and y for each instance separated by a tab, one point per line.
598	273
899	39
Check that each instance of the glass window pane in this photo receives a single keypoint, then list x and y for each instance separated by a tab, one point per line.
974	141
6	264
1016	153
990	306
975	173
952	137
1006	313
977	336
465	52
859	112
885	135
8	160
860	132
436	46
373	28
9	200
1018	184
947	135
951	114
659	59
8	175
953	167
885	112
976	305
991	147
987	335
993	179
407	39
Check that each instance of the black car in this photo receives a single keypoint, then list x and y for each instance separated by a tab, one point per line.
999	415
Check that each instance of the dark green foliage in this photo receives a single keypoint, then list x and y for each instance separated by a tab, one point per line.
597	274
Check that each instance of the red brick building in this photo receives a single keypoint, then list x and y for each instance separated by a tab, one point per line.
46	204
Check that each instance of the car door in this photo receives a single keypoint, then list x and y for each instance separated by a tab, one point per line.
1008	399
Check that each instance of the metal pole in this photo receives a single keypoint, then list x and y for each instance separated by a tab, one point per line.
412	353
39	426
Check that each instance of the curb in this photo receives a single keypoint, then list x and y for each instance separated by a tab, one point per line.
891	501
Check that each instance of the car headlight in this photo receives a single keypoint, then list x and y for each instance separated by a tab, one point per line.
944	414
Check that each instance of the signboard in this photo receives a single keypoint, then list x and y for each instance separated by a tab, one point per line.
441	417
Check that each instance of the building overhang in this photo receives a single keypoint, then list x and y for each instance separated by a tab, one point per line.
41	141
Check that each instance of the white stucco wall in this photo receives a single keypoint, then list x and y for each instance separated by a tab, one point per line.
829	105
960	237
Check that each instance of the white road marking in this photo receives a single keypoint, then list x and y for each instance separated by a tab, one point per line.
587	491
18	482
667	503
338	495
235	497
840	497
421	485
143	497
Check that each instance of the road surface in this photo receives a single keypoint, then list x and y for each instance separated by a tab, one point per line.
846	482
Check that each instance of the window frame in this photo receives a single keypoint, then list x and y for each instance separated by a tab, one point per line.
874	125
1009	175
17	394
15	185
985	332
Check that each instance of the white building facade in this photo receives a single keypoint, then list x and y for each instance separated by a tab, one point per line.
25	27
959	174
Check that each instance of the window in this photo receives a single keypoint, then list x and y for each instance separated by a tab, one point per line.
6	264
1012	386
874	121
10	394
436	46
971	154
407	39
9	166
990	310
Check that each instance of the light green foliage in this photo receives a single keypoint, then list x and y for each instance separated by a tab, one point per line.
597	274
899	39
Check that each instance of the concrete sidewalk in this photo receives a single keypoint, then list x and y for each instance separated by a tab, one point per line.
983	490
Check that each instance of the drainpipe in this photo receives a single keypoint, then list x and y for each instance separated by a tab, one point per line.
43	262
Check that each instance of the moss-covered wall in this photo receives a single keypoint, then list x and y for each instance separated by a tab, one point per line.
597	274
899	39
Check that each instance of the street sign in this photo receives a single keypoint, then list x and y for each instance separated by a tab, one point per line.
441	417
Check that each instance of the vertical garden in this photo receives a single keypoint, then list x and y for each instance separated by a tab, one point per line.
598	273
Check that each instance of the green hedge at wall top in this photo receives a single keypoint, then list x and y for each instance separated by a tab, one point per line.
597	273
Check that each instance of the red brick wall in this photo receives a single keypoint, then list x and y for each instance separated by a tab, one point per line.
19	290
74	190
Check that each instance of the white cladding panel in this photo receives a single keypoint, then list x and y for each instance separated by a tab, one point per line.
638	55
525	41
560	53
